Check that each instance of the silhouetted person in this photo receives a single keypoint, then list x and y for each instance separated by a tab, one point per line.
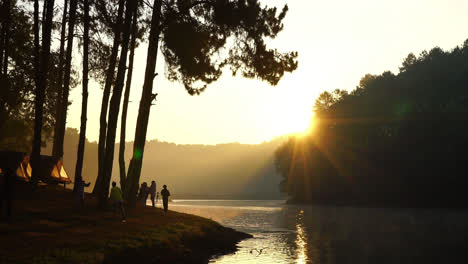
143	194
152	191
117	201
6	191
165	196
79	193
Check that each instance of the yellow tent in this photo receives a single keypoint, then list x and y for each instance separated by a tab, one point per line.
18	162
51	169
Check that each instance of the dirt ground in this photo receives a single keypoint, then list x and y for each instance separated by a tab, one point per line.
47	228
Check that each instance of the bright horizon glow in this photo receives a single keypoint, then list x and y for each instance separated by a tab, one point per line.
338	43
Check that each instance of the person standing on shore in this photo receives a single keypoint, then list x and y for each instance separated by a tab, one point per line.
152	191
117	200
165	196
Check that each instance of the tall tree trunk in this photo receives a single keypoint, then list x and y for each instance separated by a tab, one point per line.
84	104
2	27
5	36
3	43
123	124
66	82
56	149
115	105
105	97
147	97
41	83
36	42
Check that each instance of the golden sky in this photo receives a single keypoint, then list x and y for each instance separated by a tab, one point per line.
338	41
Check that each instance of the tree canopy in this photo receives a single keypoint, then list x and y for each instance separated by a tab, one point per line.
235	31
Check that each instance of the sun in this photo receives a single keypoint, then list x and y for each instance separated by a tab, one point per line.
297	123
301	124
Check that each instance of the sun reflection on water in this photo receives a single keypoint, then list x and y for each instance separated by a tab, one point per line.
301	240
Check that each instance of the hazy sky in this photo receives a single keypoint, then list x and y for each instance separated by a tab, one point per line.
338	43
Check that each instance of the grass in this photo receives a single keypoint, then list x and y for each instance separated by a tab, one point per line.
46	228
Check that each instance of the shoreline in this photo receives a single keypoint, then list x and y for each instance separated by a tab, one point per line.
46	228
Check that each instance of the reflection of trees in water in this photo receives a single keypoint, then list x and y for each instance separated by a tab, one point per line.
373	235
329	235
311	242
319	238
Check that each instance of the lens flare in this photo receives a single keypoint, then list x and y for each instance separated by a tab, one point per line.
137	154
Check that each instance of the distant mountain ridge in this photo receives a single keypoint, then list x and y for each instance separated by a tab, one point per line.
222	171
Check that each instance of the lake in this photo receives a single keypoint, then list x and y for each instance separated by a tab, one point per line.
336	234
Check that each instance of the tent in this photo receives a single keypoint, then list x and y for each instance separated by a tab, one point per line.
51	169
18	162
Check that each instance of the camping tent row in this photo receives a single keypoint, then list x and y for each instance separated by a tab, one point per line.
51	169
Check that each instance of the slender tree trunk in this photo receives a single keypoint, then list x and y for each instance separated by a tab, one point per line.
66	82
5	39
36	41
84	104
56	149
3	43
106	95
44	10
41	83
123	124
115	105
2	27
147	97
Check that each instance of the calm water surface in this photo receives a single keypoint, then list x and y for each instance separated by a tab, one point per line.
325	234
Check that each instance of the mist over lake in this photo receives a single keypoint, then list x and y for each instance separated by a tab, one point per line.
223	171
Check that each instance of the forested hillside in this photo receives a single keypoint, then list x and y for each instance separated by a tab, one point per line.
228	171
397	139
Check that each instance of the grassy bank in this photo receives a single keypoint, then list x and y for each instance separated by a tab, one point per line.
46	228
